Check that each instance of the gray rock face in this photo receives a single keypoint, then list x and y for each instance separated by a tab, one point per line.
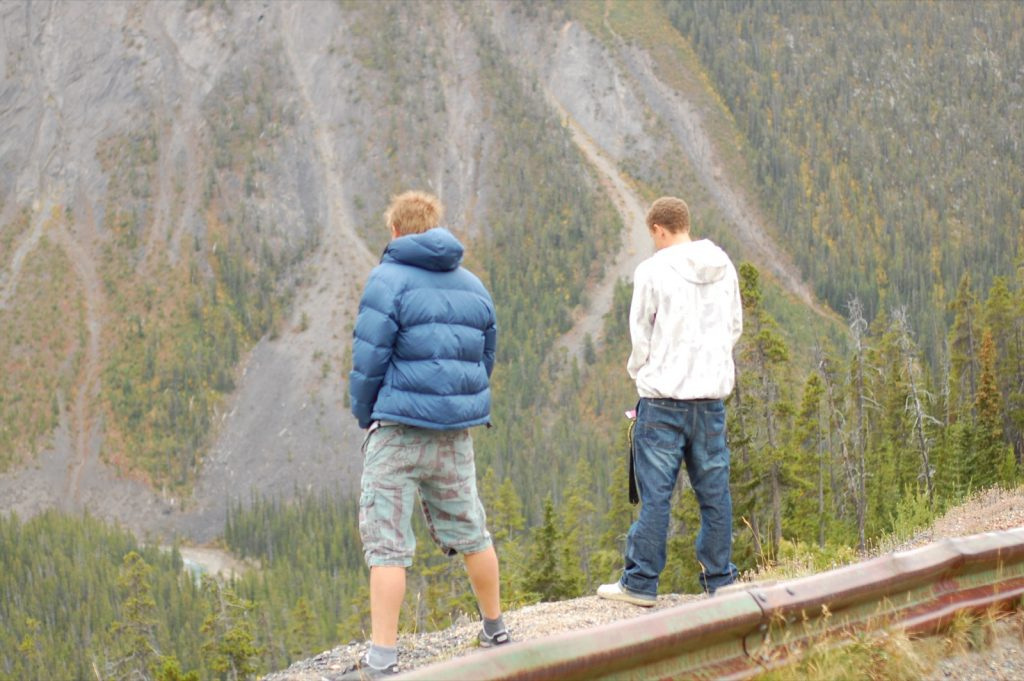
285	125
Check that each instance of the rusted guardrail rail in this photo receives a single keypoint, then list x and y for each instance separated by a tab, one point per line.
743	633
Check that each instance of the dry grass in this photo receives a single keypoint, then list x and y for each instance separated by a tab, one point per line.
891	654
886	655
969	631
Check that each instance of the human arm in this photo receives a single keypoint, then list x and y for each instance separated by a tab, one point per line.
373	341
490	338
736	309
642	312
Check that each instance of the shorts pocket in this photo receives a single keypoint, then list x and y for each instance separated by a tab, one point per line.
385	514
369	526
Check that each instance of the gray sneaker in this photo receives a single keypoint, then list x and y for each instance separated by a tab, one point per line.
499	639
617	592
362	671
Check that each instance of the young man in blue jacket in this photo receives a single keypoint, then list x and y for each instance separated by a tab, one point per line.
422	355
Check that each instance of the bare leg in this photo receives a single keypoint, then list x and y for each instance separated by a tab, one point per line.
387	589
483	575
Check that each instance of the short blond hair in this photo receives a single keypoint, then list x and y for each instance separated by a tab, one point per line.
671	213
414	213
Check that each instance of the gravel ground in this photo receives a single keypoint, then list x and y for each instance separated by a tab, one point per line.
531	622
1001	659
991	511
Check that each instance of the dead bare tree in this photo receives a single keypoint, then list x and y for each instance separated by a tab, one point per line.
837	429
858	384
915	397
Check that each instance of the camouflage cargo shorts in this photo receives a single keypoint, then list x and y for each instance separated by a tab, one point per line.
400	461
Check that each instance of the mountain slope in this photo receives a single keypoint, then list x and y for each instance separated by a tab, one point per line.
215	177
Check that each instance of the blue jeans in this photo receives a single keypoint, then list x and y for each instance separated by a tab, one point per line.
669	433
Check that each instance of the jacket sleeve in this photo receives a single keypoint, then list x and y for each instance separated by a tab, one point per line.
642	311
736	321
373	341
490	338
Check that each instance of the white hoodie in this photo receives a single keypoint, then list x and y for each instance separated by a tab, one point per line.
684	320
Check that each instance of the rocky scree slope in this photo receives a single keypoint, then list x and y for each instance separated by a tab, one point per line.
140	138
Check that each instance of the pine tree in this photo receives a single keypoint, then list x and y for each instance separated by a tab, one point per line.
135	653
589	351
505	521
765	410
987	456
170	670
354	617
806	502
744	478
507	513
1005	320
545	574
897	468
953	469
229	646
963	353
1015	400
302	630
577	518
30	650
488	490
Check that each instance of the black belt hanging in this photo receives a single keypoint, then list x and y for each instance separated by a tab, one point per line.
634	493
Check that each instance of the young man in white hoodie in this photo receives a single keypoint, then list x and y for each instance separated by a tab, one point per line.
685	318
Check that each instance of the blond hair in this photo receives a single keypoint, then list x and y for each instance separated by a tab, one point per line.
671	213
414	213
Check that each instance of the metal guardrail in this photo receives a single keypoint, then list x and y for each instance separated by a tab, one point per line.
743	633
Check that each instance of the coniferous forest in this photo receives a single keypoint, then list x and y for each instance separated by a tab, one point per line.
884	140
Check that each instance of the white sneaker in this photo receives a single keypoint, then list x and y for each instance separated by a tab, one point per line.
616	592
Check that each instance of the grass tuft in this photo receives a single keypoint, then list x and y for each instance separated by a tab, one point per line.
888	655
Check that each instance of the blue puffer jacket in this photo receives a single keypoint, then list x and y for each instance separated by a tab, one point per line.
424	341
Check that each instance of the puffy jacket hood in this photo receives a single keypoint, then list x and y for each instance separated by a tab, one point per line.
700	262
437	250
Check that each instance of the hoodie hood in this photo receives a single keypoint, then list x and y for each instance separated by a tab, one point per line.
700	262
436	249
